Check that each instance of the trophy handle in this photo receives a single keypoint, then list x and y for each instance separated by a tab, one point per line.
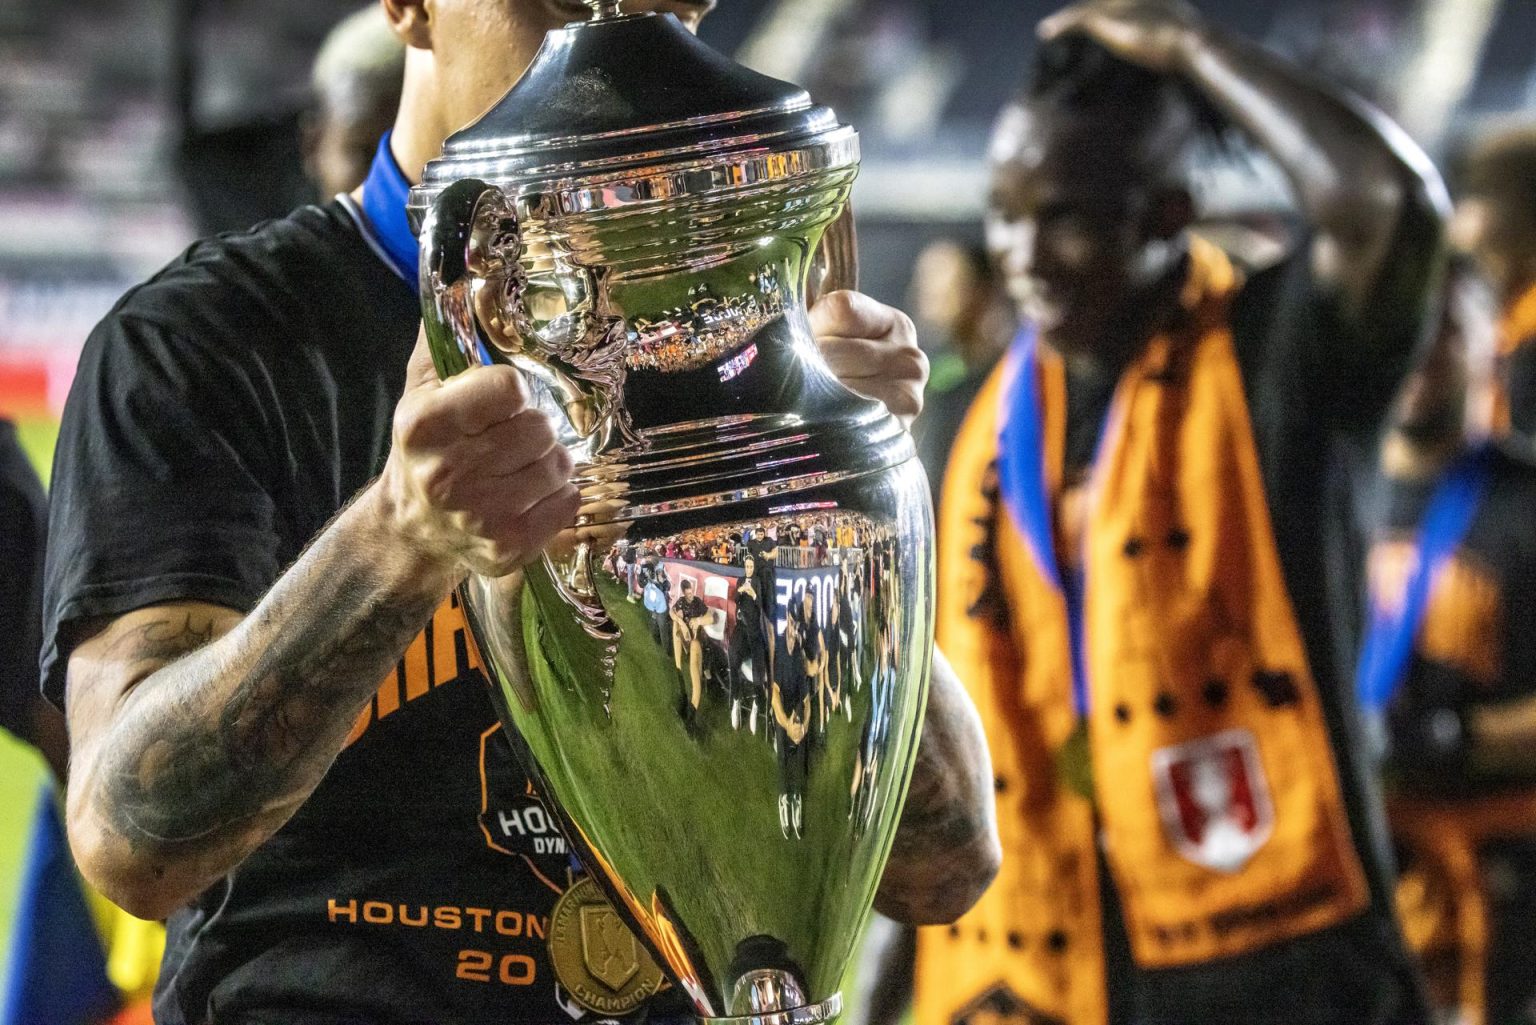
473	304
472	279
835	264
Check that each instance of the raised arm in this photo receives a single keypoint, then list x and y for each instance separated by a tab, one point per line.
947	851
198	732
1374	200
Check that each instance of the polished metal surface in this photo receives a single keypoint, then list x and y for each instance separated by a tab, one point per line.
718	674
629	111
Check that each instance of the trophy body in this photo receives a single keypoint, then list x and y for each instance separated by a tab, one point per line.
717	676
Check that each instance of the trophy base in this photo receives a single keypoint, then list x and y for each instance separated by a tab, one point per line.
812	1014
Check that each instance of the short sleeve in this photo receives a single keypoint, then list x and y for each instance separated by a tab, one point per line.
161	484
1299	347
23	519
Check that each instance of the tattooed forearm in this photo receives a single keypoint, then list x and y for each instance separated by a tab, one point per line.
154	642
294	676
218	739
946	849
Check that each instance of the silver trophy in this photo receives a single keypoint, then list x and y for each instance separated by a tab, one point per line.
718	675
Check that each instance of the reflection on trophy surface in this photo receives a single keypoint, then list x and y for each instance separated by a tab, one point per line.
718	674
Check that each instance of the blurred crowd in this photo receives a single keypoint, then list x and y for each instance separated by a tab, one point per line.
1237	533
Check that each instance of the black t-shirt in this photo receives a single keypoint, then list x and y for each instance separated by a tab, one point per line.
748	634
689	608
221	414
1317	395
789	670
810	635
1477	644
23	521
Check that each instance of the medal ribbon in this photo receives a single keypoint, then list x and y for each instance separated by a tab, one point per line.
1390	635
1025	492
384	194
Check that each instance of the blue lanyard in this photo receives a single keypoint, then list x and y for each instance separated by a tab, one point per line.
1389	638
1022	485
384	195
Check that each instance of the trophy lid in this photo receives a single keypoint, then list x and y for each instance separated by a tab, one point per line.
628	108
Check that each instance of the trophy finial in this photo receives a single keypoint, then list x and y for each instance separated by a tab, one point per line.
602	9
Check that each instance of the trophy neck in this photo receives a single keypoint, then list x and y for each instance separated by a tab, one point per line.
771	996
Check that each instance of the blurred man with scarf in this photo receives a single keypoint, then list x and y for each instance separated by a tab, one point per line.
1448	675
1142	536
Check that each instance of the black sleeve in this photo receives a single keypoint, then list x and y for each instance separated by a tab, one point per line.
1520	384
23	519
1297	347
160	483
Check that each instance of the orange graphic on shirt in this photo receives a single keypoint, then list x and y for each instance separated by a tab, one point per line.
513	828
440	654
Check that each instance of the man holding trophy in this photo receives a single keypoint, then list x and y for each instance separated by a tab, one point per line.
264	500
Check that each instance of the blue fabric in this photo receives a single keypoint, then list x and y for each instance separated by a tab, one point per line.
1389	638
384	194
58	969
1021	454
1022	486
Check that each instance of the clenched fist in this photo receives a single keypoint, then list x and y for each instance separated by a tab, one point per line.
476	479
872	348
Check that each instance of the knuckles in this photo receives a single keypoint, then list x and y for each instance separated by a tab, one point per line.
909	364
564	463
903	330
498	552
837	312
907	402
532	432
503	388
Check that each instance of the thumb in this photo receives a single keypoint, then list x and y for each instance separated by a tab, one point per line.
420	372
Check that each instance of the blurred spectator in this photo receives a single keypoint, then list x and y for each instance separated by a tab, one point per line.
1495	223
1138	569
239	78
23	525
57	971
963	319
357	81
1448	675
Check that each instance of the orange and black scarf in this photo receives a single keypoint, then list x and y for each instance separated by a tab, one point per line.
1174	675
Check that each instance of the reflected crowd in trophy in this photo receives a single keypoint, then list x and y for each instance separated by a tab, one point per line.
766	625
983	512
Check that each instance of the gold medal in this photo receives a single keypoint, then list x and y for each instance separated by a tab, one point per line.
597	958
1074	762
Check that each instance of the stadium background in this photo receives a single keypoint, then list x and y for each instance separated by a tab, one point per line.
130	127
